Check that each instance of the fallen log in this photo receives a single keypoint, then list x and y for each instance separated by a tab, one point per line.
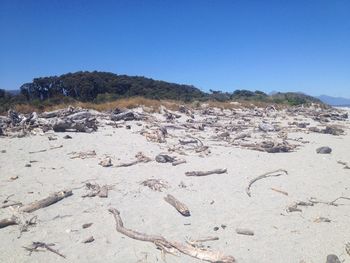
265	175
204	173
53	198
179	206
8	222
170	246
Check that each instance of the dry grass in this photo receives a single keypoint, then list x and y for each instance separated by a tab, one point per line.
148	104
127	103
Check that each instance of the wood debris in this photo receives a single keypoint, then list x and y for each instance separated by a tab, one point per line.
322	219
51	199
244	231
274	173
279	191
179	206
8	222
35	245
155	184
170	246
83	155
140	158
205	173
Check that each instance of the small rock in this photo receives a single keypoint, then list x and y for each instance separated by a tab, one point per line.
324	150
51	138
28	165
266	127
14	178
216	228
128	127
332	259
3	151
89	240
223	226
106	162
87	225
164	158
322	219
67	137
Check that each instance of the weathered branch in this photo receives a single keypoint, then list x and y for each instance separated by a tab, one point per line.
53	198
170	246
275	173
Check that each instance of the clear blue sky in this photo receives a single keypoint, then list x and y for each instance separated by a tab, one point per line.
285	45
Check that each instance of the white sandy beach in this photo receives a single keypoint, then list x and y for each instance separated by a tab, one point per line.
217	200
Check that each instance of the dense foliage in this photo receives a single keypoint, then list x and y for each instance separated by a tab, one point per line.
101	87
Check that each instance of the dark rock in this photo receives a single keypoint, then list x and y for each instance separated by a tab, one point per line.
163	158
324	150
332	259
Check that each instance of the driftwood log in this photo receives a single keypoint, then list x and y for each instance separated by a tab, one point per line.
179	206
51	199
170	246
8	222
204	173
275	173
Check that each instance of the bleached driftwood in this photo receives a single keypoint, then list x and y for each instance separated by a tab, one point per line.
140	158
275	173
204	173
51	199
179	206
170	246
177	162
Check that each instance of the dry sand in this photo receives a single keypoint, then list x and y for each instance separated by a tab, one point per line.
217	200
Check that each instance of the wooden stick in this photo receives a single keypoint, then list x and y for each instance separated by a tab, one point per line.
177	162
204	173
180	207
12	204
170	246
265	175
36	245
53	198
279	191
244	231
8	222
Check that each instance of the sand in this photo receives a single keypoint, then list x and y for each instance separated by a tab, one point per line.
217	200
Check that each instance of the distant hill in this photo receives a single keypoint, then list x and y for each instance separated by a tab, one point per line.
100	86
334	101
